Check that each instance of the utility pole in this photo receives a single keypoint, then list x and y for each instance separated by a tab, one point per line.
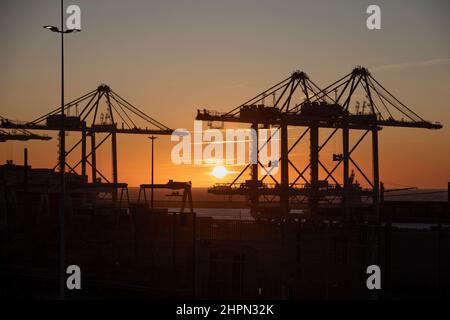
62	150
62	159
152	138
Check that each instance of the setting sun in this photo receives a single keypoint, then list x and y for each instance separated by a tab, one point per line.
219	172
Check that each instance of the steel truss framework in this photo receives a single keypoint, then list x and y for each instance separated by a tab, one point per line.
96	112
299	102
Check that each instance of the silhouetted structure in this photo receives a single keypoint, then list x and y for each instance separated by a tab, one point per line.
97	112
19	134
329	108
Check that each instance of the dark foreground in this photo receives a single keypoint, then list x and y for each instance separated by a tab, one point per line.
144	253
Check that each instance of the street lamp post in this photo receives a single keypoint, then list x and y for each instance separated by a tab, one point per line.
152	138
62	158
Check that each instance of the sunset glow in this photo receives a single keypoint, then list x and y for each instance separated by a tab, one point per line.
149	77
219	172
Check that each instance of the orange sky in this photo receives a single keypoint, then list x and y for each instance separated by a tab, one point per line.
169	59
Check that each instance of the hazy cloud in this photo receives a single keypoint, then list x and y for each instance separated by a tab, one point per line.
407	65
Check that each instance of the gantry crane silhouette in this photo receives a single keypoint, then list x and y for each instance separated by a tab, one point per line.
19	134
299	102
101	111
